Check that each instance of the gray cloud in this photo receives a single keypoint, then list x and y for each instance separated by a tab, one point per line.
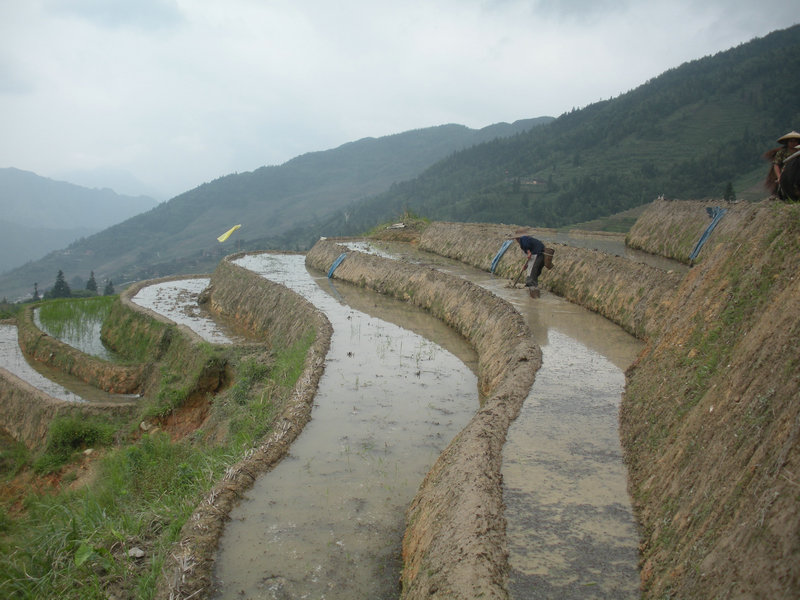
141	14
179	94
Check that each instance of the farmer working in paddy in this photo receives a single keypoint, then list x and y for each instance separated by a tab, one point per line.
534	249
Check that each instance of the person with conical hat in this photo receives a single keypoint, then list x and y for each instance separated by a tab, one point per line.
790	143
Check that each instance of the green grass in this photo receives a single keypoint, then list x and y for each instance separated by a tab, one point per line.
77	322
74	544
62	317
70	434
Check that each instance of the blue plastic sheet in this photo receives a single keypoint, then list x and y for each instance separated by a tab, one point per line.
500	253
716	214
336	263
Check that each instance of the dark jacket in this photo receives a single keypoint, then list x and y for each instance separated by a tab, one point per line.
527	242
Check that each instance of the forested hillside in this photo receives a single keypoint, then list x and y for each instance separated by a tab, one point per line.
697	131
278	206
38	214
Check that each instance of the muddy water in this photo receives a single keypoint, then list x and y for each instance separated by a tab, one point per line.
571	532
328	521
177	300
49	381
614	245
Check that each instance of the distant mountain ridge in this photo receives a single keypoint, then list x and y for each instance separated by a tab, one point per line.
271	202
694	132
38	214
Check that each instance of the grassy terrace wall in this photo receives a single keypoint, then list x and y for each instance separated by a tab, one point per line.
27	412
181	364
710	422
111	377
454	545
277	317
635	296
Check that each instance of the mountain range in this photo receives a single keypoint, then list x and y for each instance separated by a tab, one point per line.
38	215
696	131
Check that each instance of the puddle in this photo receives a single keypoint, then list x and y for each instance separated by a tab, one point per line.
570	526
177	301
328	521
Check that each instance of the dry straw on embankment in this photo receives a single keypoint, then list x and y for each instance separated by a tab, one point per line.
454	544
710	422
635	296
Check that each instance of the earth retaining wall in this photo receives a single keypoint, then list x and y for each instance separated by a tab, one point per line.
102	374
27	412
633	295
710	420
454	545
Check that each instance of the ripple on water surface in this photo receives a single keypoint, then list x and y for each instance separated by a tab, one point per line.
328	520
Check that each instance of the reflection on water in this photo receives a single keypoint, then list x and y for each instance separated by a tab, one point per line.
615	245
328	521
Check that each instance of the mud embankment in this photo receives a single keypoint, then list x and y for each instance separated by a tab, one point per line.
27	412
710	422
278	316
671	228
454	544
633	295
104	375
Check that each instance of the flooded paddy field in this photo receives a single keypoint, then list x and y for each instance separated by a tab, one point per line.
177	301
328	521
570	526
51	381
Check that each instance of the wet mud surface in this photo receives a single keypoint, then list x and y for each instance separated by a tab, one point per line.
177	301
328	520
570	527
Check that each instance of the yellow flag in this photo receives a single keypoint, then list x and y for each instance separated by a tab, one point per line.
228	233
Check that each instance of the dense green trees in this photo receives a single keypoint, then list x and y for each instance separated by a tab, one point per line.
61	288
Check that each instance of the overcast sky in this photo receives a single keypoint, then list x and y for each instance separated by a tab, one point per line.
180	92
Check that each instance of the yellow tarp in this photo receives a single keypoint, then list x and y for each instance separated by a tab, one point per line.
228	233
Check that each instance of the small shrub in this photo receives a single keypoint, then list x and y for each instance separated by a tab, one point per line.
68	434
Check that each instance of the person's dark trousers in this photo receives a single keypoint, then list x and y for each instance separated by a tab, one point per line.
534	270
